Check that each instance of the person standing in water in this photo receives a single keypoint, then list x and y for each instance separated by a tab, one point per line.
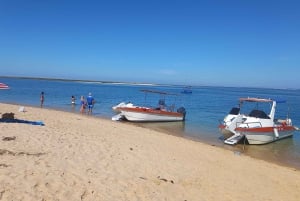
82	105
42	99
73	102
90	102
73	99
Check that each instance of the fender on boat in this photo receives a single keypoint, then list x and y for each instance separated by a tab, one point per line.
276	132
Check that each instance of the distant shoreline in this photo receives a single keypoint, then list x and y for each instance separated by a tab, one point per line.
135	83
88	81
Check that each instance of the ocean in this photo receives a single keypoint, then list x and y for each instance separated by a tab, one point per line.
205	108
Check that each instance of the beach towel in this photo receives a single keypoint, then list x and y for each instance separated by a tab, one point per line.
39	123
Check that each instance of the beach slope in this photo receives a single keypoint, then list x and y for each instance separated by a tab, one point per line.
78	157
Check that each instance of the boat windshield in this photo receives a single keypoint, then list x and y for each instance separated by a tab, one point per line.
234	111
259	114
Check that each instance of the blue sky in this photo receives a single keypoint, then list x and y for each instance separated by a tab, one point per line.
225	43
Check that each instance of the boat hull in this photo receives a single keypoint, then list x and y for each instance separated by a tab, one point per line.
225	131
267	135
230	122
258	127
150	115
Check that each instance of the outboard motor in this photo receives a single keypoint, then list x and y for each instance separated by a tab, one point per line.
182	111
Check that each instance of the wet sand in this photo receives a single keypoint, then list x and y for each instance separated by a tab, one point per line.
275	152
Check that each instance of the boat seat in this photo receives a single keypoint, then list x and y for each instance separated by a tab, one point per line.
171	108
161	104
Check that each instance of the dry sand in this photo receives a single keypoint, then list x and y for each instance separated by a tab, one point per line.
78	157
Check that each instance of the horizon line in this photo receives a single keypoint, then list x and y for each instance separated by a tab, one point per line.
132	83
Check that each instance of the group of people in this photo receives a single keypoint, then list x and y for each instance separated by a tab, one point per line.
87	103
84	102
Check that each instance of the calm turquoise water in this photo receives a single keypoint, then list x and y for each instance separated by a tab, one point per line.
205	107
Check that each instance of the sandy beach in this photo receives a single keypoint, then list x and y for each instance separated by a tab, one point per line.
79	157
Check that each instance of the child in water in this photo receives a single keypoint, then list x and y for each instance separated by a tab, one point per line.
73	99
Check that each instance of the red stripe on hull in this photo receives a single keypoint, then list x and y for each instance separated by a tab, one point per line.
266	129
151	111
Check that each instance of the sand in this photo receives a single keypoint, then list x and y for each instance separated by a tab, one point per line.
79	157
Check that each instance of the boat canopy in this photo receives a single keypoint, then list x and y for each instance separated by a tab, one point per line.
255	100
262	100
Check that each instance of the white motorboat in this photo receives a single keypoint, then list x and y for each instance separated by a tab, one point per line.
152	114
121	105
258	127
162	113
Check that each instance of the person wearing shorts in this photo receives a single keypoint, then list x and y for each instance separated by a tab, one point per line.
90	102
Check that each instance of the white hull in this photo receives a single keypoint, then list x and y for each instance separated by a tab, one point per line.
264	138
230	122
226	133
120	105
140	116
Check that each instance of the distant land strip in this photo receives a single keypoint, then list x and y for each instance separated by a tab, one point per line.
88	81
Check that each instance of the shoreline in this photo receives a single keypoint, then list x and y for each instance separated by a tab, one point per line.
77	157
237	149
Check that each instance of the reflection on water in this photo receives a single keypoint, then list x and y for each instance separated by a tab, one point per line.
280	152
172	128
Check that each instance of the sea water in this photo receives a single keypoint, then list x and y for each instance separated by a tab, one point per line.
205	106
